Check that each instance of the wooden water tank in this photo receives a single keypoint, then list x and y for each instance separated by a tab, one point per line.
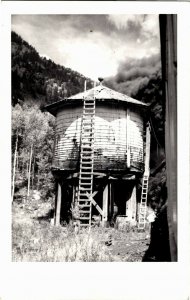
119	130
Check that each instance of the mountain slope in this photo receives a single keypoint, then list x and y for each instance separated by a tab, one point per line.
38	79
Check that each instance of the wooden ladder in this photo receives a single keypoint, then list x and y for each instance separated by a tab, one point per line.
143	203
86	162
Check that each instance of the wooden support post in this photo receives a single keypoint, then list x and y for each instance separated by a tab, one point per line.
105	206
128	142
131	206
58	206
147	151
134	203
110	201
73	196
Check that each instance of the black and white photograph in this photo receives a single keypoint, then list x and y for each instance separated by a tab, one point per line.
95	151
89	120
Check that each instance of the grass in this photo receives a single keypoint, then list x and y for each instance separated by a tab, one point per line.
34	239
44	243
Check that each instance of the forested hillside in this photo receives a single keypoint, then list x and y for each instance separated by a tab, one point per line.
38	79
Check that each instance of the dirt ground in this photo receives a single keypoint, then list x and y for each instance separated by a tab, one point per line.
32	222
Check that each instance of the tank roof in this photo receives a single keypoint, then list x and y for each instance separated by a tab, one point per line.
100	92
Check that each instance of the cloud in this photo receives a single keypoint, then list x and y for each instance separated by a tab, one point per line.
90	44
134	74
139	27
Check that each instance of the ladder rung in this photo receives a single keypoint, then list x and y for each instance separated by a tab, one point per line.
89	108
87	168
88	114
87	150
86	147
87	122
84	157
85	141
86	179
88	127
84	202
89	105
83	206
88	132
88	135
84	190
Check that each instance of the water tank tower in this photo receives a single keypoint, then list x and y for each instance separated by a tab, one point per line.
101	153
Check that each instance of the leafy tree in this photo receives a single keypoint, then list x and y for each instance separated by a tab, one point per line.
34	145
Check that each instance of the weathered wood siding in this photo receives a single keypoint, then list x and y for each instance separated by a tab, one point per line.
136	139
110	147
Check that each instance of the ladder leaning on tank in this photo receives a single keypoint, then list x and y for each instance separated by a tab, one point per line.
85	187
144	192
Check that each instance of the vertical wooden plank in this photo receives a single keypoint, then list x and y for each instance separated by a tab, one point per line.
73	196
147	151
168	31
128	139
131	206
110	201
134	202
105	205
129	209
58	207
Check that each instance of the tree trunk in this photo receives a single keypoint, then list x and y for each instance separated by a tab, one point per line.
33	167
38	180
29	170
14	167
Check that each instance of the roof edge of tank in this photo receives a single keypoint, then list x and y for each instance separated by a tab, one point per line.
53	107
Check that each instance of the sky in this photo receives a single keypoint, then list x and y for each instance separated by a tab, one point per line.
93	45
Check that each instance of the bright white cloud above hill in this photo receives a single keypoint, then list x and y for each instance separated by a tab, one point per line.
93	45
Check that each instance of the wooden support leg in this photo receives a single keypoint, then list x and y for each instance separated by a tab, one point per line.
105	206
131	206
58	207
134	204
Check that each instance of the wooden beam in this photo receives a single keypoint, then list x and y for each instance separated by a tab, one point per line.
128	139
58	206
105	205
147	151
134	203
90	197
